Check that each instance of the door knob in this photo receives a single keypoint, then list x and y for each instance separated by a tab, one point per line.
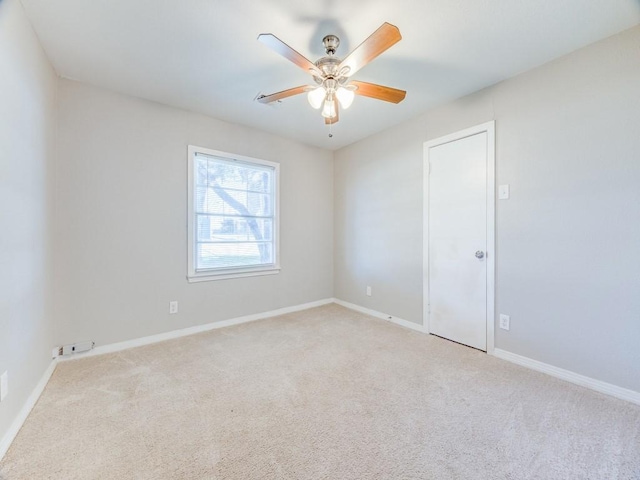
480	254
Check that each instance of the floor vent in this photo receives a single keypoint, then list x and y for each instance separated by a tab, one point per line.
75	348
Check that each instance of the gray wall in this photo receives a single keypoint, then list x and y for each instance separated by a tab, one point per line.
568	256
121	235
568	240
27	133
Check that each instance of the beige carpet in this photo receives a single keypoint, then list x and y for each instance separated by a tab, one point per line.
322	394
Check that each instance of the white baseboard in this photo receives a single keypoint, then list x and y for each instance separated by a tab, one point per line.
15	427
383	316
161	337
597	385
591	383
569	376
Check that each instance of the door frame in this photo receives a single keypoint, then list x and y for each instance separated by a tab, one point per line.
490	254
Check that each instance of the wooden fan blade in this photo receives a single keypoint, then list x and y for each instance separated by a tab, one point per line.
379	41
331	121
278	46
379	92
283	94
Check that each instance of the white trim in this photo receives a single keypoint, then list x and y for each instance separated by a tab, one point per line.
491	234
597	385
15	427
161	337
208	277
569	376
222	274
489	128
383	316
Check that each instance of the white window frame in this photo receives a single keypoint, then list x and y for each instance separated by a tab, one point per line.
235	272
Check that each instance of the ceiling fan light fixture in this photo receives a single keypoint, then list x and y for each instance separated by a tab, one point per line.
316	97
345	97
334	88
329	108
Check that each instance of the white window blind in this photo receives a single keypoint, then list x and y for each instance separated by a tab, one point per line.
233	213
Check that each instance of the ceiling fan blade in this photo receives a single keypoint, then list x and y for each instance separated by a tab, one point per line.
283	94
278	46
379	92
331	121
379	41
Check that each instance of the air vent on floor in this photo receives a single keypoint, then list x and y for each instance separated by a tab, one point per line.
75	348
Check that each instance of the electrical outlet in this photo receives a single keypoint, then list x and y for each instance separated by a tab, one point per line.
504	321
173	307
368	291
4	385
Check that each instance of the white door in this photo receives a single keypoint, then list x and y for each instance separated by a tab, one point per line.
457	224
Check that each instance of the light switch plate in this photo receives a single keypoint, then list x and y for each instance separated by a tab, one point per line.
503	192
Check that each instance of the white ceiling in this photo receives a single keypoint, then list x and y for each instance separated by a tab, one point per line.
202	55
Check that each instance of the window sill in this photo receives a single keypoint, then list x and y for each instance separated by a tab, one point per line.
209	277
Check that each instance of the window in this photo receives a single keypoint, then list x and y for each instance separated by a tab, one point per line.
233	216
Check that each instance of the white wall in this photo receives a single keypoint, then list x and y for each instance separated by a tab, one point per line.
27	134
568	240
121	235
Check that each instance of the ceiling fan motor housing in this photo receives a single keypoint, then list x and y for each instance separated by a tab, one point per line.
328	66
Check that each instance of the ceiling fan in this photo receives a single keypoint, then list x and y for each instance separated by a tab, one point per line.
332	75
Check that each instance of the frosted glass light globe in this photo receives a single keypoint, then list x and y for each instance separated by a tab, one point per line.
329	109
345	97
316	96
